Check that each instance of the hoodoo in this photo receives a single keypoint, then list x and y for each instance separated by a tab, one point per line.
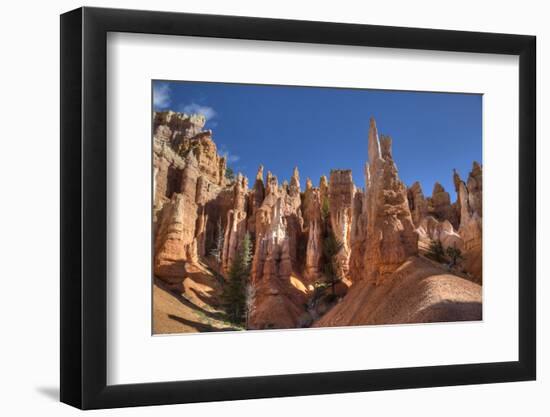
331	255
390	236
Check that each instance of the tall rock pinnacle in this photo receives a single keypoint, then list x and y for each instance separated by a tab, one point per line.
260	173
296	175
294	188
374	144
391	236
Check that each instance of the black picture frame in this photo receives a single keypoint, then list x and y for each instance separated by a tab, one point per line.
84	207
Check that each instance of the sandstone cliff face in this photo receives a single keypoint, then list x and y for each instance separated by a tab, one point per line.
183	133
174	244
173	127
279	274
188	194
380	227
175	236
279	295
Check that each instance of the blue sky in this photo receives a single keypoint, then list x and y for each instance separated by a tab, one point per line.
318	129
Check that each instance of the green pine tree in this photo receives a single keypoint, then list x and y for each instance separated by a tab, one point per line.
235	290
331	248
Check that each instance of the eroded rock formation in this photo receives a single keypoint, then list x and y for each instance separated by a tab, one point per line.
313	231
236	223
380	227
440	207
341	192
176	241
279	295
471	225
390	236
430	229
417	203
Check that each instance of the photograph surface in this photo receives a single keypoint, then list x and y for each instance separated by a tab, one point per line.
287	207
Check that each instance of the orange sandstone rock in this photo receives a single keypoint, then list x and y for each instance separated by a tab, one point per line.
391	237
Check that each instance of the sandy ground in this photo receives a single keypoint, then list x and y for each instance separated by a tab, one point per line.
190	308
420	291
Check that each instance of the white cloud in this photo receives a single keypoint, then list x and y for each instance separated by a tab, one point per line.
229	157
161	95
206	111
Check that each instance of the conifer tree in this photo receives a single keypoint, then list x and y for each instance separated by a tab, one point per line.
325	211
331	248
235	290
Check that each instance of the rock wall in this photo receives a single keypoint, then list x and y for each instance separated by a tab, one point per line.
176	241
183	133
279	295
167	172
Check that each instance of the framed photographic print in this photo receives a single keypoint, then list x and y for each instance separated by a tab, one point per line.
258	207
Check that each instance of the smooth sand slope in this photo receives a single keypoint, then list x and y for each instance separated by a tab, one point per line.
417	292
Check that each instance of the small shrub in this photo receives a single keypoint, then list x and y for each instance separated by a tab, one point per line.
436	251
